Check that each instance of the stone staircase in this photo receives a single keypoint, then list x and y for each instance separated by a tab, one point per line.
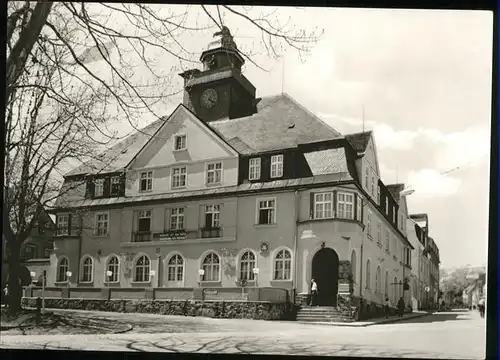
320	314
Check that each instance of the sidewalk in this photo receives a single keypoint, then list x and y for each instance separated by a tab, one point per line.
391	319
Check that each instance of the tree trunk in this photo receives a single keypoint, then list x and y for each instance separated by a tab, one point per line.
15	287
27	38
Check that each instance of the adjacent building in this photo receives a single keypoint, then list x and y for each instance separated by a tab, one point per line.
233	187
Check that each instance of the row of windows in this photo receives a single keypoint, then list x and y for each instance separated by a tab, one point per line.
276	170
396	248
211	265
395	288
346	206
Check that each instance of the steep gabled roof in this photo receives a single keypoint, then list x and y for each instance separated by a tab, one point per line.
359	140
280	123
119	155
395	189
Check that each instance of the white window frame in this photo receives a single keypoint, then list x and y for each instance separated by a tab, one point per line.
149	181
344	213
183	142
215	268
273	210
379	232
254	168
387	206
214	168
373	186
215	211
246	265
179	215
115	277
65	228
369	223
98	184
286	273
182	174
367	178
98	221
61	276
359	209
319	200
175	269
276	166
146	274
83	267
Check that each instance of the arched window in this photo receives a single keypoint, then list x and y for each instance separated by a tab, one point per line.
247	263
175	268
283	265
211	266
142	269
386	288
378	280
62	269
87	269
113	265
353	266
368	274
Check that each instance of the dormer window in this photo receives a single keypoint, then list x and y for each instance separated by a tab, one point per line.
276	166
367	177
115	185
99	187
146	182
180	142
387	206
254	169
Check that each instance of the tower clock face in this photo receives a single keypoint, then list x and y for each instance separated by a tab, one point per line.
209	98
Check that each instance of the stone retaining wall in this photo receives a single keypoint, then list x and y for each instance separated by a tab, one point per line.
216	309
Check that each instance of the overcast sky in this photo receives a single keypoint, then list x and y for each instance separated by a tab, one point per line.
424	81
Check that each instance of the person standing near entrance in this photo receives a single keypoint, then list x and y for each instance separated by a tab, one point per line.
314	292
386	307
401	307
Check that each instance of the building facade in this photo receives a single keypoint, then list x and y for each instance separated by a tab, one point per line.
231	187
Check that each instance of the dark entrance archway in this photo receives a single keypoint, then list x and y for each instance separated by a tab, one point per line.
325	271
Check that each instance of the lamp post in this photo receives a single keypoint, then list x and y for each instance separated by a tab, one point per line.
201	273
109	273
33	275
152	273
256	274
68	275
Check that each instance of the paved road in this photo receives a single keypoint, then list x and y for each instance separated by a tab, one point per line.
443	335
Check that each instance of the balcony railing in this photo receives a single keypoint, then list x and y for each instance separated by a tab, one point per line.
210	233
142	236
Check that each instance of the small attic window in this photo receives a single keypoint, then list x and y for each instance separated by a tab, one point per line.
180	142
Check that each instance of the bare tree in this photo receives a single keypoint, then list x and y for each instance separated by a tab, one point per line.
60	106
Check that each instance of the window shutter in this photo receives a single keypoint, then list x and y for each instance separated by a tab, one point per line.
89	188
311	205
356	201
106	187
334	198
69	224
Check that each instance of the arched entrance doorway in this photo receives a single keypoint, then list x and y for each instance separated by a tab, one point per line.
325	271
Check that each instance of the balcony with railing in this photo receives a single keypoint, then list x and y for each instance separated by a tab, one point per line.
142	236
211	233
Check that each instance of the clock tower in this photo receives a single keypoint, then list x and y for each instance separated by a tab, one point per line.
220	91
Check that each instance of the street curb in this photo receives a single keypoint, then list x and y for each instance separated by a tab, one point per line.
354	324
129	328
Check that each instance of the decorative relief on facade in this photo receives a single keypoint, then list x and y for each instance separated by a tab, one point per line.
229	261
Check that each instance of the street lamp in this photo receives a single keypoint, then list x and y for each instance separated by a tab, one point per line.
201	273
406	192
33	275
68	275
109	273
255	273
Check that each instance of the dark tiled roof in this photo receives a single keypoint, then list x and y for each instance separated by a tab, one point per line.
359	140
329	161
280	123
395	189
229	190
266	130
